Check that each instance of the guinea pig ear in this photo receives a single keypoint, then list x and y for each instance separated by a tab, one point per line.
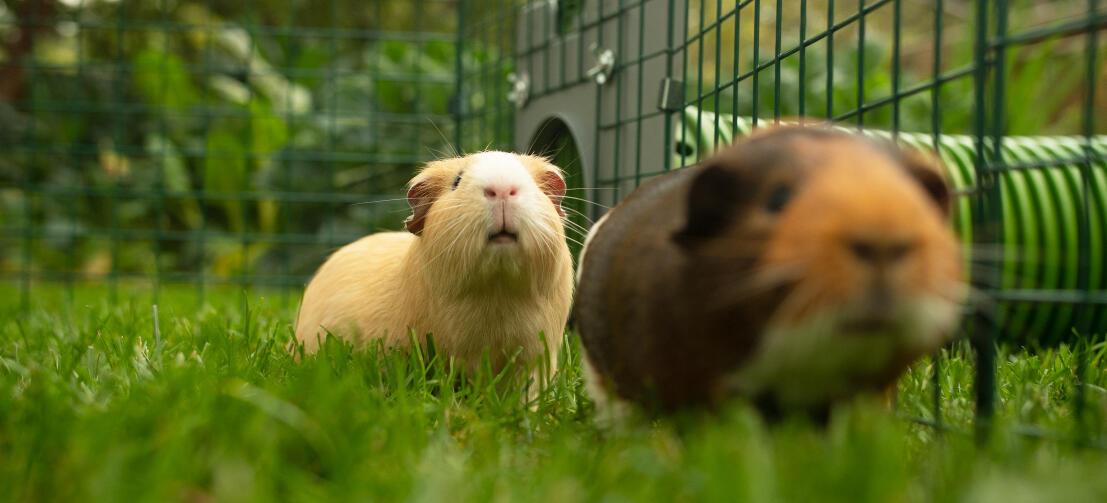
420	197
553	186
710	207
928	170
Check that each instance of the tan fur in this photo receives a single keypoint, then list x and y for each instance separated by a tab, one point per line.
450	280
868	199
797	268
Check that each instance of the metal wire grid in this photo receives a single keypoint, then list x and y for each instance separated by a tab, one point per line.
733	61
117	152
631	131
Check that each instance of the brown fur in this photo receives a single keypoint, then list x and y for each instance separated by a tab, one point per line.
446	277
693	289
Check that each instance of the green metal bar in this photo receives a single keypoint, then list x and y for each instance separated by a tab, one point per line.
666	145
27	179
860	64
699	83
159	182
70	259
936	88
618	83
1093	22
248	131
802	60
598	91
504	125
897	19
202	176
936	135
1085	323
756	59
829	59
776	59
737	60
142	235
641	95
984	332
546	32
718	68
117	135
683	88
134	25
564	57
292	48
459	69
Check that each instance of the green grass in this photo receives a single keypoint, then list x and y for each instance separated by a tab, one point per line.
95	407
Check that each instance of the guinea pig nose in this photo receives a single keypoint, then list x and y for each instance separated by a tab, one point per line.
494	193
880	251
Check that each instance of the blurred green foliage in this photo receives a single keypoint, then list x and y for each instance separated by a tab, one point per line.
1044	83
176	118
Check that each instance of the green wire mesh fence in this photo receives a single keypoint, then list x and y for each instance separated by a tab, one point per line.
200	142
204	143
1007	92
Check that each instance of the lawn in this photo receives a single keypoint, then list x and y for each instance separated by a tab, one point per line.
98	405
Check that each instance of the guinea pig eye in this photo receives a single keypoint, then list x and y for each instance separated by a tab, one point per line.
778	199
457	180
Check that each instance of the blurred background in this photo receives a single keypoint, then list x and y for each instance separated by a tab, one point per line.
212	141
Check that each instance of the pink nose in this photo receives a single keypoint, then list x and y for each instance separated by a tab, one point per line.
501	192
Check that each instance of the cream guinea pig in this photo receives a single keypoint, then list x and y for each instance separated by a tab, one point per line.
483	266
796	268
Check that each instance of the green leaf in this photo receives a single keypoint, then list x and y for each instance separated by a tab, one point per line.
162	79
268	132
225	171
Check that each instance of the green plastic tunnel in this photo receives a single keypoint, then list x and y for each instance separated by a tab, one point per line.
1040	215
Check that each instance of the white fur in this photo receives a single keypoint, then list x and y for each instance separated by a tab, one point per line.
588	240
814	361
610	409
475	296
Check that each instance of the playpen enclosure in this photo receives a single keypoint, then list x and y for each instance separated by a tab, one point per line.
206	143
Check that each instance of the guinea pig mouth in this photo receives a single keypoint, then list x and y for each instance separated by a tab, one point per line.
873	323
503	237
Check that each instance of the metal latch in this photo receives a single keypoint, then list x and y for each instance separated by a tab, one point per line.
520	89
671	95
605	65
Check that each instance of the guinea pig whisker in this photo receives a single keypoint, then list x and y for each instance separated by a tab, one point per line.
571	240
578	213
587	201
460	225
379	201
571	225
445	140
548	244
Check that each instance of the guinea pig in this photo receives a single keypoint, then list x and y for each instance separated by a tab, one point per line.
483	266
795	269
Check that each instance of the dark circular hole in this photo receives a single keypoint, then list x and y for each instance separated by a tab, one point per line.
684	149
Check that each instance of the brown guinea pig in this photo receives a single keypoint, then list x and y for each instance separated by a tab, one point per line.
795	268
483	267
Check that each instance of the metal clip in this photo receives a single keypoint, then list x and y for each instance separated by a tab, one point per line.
520	89
670	97
605	65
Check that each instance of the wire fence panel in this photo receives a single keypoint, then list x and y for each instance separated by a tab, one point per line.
1007	92
206	143
209	142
